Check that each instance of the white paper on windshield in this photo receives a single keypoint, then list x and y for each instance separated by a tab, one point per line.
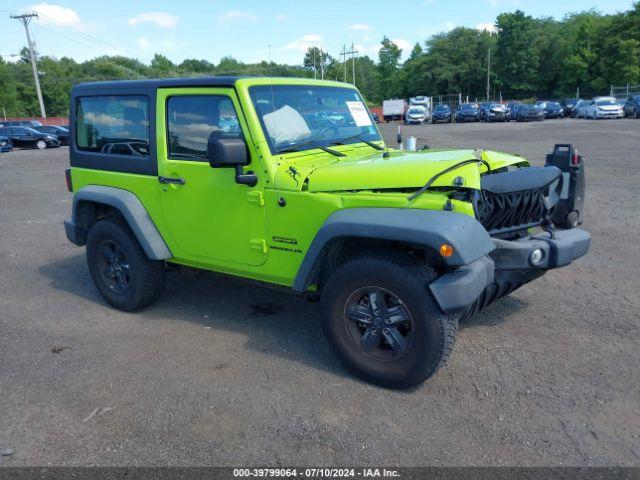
359	113
286	125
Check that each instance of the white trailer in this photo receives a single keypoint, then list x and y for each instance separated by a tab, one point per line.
393	109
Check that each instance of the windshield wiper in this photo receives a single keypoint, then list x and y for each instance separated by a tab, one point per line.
446	170
341	141
296	147
333	152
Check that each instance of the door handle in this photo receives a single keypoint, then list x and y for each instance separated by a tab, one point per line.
174	181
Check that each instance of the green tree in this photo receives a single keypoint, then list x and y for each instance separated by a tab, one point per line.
518	62
389	69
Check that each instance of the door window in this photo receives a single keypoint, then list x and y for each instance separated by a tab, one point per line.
191	119
113	125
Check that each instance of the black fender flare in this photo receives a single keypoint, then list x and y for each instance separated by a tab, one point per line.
427	228
131	209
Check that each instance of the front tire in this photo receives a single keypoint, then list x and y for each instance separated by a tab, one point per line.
41	144
122	272
382	321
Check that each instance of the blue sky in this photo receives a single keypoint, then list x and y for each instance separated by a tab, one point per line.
211	29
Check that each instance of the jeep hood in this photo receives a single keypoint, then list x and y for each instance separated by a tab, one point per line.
401	170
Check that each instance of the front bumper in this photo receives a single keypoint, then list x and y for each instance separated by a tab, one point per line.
609	114
511	263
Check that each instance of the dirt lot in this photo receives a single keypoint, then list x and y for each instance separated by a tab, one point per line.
222	373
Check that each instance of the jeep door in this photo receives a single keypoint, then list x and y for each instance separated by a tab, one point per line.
212	220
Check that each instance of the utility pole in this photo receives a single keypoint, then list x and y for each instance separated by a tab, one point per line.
488	74
344	54
25	19
315	70
321	64
353	66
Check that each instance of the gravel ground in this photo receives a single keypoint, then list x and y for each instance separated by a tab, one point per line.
219	372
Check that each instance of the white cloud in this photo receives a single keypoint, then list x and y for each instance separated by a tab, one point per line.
161	19
281	17
360	27
144	43
405	45
238	15
487	27
361	49
58	15
305	42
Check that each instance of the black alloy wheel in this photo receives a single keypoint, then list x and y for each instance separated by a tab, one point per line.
379	324
114	267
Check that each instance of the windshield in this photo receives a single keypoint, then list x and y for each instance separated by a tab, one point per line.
303	117
442	108
605	102
416	111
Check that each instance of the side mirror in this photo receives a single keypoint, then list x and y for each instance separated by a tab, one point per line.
226	152
230	153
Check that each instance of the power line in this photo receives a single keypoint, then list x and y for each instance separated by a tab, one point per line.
25	19
91	38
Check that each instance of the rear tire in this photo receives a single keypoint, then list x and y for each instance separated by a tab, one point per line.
122	272
41	144
394	354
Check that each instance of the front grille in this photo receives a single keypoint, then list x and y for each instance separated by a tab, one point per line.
504	212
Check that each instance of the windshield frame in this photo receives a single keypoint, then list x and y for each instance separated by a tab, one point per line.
305	144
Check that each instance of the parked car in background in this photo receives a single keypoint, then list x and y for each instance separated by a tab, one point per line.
393	109
441	113
495	112
417	114
5	144
467	112
632	106
60	132
529	113
580	110
551	109
29	138
20	123
482	108
604	107
569	105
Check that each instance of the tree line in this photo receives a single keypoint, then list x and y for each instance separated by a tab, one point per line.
530	57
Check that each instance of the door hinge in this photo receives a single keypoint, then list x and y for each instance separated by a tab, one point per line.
258	244
256	197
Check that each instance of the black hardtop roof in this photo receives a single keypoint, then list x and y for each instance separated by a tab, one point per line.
115	85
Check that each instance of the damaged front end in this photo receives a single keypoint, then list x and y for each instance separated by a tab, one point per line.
516	208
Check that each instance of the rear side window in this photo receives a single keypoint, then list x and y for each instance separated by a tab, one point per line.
113	125
191	119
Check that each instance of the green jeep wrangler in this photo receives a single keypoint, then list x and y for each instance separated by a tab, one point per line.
288	182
